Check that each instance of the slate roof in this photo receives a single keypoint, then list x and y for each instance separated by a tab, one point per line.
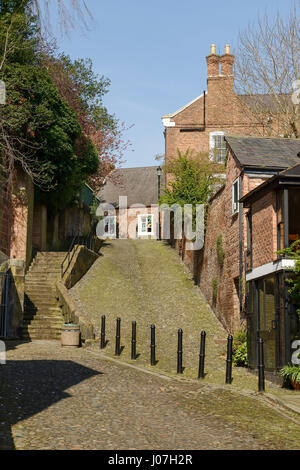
286	176
292	172
140	185
265	152
266	102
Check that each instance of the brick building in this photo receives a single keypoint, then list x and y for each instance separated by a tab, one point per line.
252	164
274	223
202	124
138	217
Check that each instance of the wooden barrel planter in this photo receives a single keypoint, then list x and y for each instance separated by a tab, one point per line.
70	335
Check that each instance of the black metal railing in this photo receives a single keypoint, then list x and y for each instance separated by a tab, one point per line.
78	240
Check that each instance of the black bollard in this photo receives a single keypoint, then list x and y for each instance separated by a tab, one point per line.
152	346
179	352
202	356
261	366
229	360
133	341
118	337
102	340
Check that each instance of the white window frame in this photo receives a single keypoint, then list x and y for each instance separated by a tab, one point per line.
212	144
111	220
235	205
140	232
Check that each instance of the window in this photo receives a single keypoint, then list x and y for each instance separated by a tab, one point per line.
235	196
110	226
248	258
217	146
145	224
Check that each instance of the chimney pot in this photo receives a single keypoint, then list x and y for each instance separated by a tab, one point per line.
213	49
227	49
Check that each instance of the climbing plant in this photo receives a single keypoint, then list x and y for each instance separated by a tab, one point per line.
220	251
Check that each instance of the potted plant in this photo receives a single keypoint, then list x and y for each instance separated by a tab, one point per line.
291	374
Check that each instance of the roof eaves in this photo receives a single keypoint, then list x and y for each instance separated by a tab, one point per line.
171	115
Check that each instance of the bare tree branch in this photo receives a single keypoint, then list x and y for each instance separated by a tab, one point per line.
70	14
266	67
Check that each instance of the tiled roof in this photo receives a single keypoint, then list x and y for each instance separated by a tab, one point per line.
140	185
265	152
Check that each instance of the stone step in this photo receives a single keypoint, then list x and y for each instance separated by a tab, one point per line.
42	275
46	336
47	312
44	322
55	309
41	329
41	300
40	284
42	313
50	291
52	254
43	317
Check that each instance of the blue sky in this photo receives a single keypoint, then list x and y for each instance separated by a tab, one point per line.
154	54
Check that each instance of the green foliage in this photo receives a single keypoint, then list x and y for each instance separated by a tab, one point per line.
293	252
43	132
91	89
291	373
18	32
220	251
239	349
193	180
63	158
214	285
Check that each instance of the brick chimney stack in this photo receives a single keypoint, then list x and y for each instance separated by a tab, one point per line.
212	61
227	61
220	86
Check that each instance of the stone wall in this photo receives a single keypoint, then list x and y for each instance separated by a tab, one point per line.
72	314
82	260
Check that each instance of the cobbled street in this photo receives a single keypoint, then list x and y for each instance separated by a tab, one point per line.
57	398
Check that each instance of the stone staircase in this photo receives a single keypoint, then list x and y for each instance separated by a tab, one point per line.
42	315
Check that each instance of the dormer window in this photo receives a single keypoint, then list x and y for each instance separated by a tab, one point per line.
217	146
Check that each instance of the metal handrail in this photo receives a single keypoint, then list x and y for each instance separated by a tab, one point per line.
78	240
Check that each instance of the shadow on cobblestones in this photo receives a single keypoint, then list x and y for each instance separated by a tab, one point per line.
28	387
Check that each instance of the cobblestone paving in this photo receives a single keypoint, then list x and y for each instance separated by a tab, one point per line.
58	398
145	281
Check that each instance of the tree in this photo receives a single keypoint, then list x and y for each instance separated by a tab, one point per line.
39	130
84	90
69	13
267	68
194	177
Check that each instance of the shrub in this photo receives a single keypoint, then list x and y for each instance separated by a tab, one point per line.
291	373
239	349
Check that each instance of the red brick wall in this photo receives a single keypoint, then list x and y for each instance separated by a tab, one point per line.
205	265
5	223
264	232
